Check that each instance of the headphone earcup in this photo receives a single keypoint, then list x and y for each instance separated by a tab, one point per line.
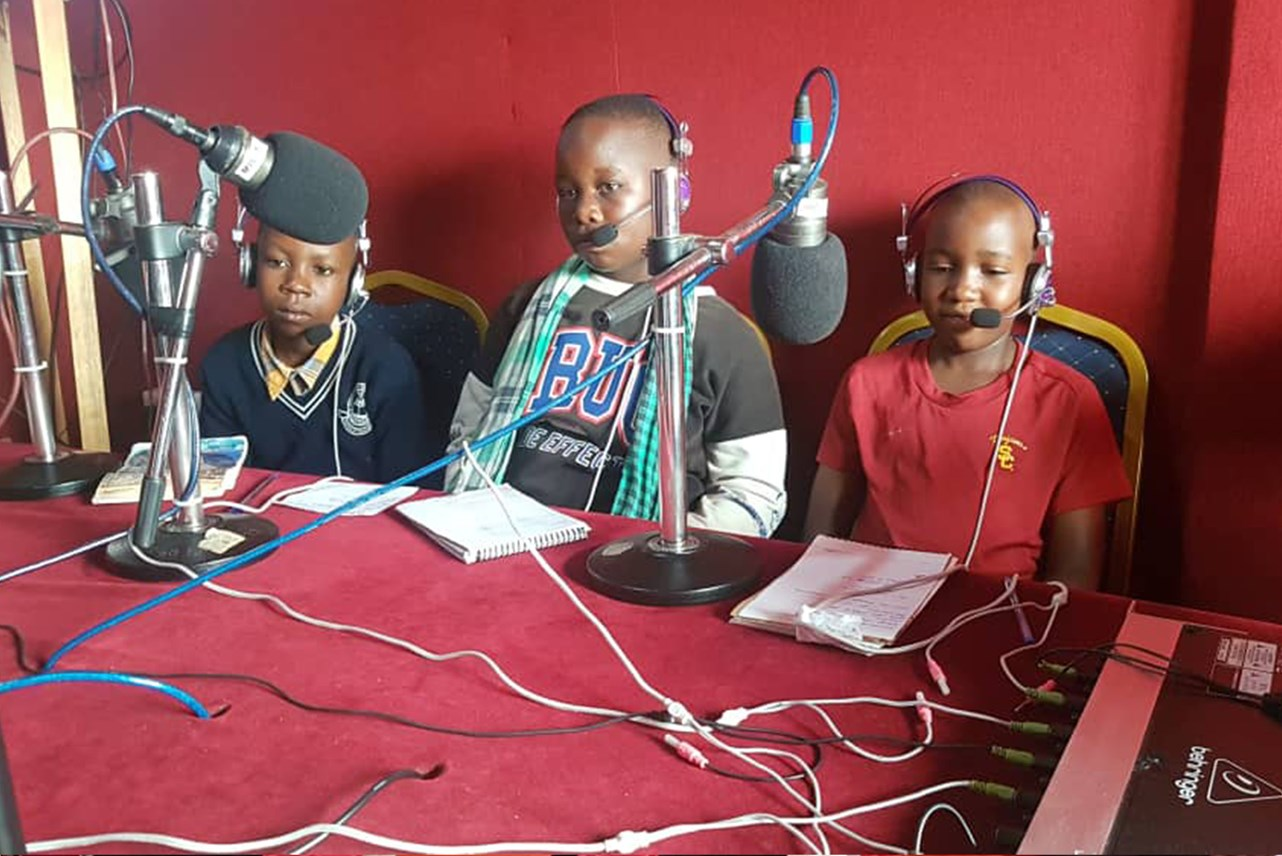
1036	281
247	263
356	293
910	277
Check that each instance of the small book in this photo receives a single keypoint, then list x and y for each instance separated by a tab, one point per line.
873	592
221	459
472	526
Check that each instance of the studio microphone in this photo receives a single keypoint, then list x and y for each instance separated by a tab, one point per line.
799	274
229	150
287	181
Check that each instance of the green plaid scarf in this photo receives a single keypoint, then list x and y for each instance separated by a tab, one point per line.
638	493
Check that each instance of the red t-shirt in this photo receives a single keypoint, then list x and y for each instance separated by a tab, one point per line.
925	452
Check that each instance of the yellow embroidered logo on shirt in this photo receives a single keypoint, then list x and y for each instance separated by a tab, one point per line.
1006	451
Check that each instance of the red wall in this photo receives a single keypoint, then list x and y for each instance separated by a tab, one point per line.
1113	115
1233	506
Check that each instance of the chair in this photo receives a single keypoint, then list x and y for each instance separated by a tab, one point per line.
443	330
1112	361
432	290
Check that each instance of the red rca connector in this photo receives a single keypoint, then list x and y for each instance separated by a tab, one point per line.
686	751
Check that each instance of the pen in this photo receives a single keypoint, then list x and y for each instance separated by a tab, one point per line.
1021	619
248	499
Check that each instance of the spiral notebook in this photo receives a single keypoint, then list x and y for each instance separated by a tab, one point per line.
472	526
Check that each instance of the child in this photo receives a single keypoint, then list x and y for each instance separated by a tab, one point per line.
587	454
311	394
907	448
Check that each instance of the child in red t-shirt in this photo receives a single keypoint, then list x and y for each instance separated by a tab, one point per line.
910	441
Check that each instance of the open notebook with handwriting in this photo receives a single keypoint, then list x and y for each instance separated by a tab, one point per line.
879	590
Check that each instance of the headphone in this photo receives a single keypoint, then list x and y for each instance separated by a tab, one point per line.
1037	290
247	262
682	148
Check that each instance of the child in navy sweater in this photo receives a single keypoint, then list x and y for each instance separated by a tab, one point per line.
311	393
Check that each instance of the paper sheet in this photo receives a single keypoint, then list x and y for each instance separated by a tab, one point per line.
324	498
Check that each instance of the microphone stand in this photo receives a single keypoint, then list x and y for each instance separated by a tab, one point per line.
190	537
10	829
674	566
50	471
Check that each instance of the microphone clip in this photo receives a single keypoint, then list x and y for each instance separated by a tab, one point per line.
663	252
114	218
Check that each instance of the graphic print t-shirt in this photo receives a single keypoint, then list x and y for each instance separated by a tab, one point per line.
560	453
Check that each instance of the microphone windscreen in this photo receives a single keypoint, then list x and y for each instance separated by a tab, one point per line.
799	293
312	193
317	335
603	236
986	318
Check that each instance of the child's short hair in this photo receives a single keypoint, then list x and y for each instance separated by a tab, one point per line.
649	111
975	190
630	105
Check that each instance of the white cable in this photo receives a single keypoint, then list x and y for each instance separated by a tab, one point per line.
107	539
275	498
266	845
1057	600
403	644
739	715
921	825
743	754
565	589
675	709
624	842
868	754
957	621
997	443
997	447
507	681
53	560
348	340
991	608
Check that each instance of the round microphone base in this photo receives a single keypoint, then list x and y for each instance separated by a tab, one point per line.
196	550
68	474
636	570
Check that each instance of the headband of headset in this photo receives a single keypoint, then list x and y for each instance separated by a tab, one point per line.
1038	289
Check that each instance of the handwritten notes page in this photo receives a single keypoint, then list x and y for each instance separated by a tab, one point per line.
883	587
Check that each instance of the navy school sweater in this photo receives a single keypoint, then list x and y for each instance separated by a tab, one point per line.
382	426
